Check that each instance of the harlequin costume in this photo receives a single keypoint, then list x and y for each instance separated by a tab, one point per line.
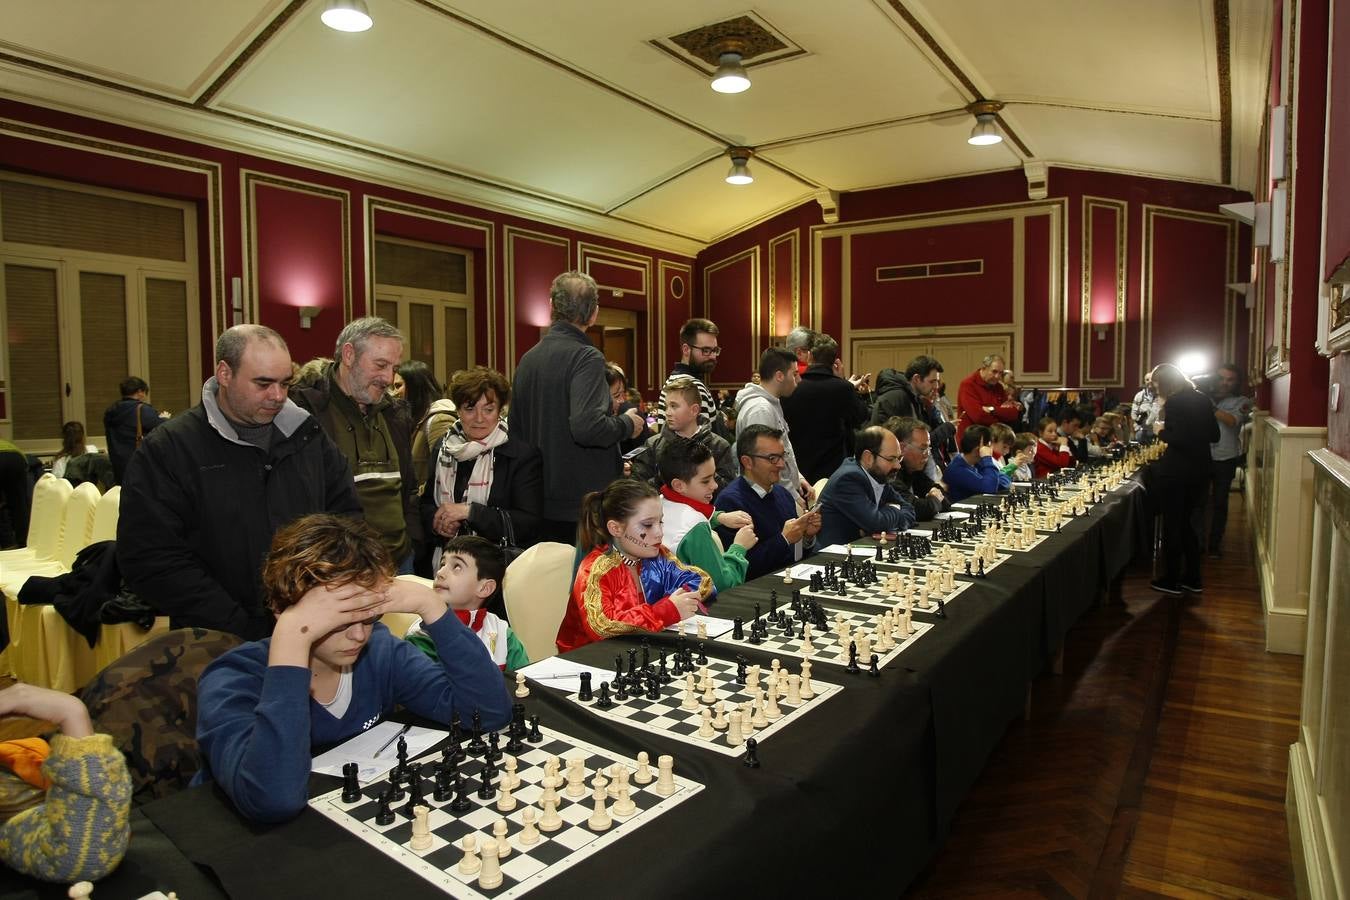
606	602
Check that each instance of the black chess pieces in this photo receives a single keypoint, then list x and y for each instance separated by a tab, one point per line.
414	788
486	790
534	736
661	668
702	654
751	760
441	789
941	609
585	695
461	803
872	668
395	789
653	687
980	573
383	814
738	629
620	692
494	751
454	751
852	667
646	653
968	566
603	701
618	667
402	766
351	786
476	744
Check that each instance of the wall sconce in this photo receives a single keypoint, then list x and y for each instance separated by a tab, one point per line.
308	314
1101	332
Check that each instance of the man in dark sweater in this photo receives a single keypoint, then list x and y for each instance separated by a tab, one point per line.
205	493
561	405
822	413
1180	479
782	534
120	424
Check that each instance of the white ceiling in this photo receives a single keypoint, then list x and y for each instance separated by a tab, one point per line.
564	110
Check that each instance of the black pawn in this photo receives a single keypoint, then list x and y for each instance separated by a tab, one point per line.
461	803
351	787
442	790
702	654
603	701
514	745
852	667
494	751
383	814
751	760
485	790
489	771
477	746
534	736
872	669
661	668
981	571
585	695
968	567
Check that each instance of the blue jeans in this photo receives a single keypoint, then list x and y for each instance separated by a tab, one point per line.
406	566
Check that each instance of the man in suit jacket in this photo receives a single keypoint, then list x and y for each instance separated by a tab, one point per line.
858	500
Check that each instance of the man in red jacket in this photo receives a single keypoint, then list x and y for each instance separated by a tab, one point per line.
982	399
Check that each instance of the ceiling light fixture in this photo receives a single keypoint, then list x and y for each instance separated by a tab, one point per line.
985	132
730	77
347	15
740	166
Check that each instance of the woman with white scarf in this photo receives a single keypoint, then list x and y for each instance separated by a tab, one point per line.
480	471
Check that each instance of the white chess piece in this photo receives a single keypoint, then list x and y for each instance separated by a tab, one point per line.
690	701
550	821
522	690
702	631
771	711
709	694
616	772
643	775
80	890
529	833
734	729
599	820
808	648
499	835
550	785
794	694
421	833
470	863
807	691
490	871
511	777
747	719
705	728
624	805
719	716
506	800
757	717
576	777
665	780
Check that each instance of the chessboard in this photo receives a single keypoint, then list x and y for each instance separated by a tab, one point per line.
922	550
533	853
672	702
811	631
928	590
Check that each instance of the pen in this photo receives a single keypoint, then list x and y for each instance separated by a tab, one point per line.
388	743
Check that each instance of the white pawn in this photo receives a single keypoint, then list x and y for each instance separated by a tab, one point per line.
490	873
521	689
529	833
807	691
864	645
550	785
690	701
624	805
81	889
734	729
808	648
470	863
771	711
705	729
665	780
550	821
709	694
499	835
511	776
506	801
643	775
704	679
719	716
616	772
747	719
599	820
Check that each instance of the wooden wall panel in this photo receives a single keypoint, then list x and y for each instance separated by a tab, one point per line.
784	309
532	260
731	299
1188	261
1102	309
675	306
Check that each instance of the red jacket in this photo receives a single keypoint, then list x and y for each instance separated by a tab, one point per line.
974	395
1050	459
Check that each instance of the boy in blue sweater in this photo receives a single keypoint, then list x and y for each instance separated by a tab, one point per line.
973	471
330	670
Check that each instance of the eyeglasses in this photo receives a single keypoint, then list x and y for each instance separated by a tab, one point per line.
771	458
708	351
889	459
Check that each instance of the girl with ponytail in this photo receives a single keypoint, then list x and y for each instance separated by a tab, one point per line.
627	581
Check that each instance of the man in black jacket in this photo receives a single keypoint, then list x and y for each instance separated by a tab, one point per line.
206	491
910	478
823	413
373	430
562	406
1180	479
120	421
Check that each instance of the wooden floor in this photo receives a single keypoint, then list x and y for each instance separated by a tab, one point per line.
1153	767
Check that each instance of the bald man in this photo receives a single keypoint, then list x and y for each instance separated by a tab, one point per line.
858	501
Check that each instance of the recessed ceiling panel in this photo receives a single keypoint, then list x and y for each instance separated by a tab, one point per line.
167	46
1137	54
911	152
702	205
424	86
1153	145
859	66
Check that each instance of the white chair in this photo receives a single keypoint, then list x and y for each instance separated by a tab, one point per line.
79	523
105	516
44	523
536	589
819	487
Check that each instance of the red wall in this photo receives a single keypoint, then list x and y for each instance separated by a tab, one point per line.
300	232
1188	246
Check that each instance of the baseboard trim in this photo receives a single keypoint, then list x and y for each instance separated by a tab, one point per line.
1286	626
1314	872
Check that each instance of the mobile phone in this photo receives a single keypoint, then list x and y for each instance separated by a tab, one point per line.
635	453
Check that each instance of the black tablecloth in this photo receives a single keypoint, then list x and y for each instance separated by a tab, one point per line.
864	785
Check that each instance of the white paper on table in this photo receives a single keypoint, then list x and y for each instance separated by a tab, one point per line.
802	571
920	532
845	549
965	506
1024	484
362	749
716	627
564	675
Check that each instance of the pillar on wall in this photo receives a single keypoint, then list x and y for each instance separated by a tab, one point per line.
829	205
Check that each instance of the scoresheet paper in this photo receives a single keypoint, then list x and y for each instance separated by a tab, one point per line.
363	748
714	625
564	675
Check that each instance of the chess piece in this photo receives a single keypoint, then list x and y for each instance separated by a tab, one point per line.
351	787
719	721
807	691
603	701
499	835
618	780
794	691
414	786
599	820
461	803
702	631
511	777
576	777
506	801
872	667
81	890
738	629
550	821
585	695
771	711
757	717
383	814
705	728
624	805
421	834
441	790
690	701
529	833
476	744
709	693
490	871
665	779
469	865
521	689
734	728
643	775
751	760
852	667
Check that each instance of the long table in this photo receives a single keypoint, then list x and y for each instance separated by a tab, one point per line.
859	794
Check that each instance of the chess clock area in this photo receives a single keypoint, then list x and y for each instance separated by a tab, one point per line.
856	762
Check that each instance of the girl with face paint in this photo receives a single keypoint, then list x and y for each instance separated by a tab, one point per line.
628	581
